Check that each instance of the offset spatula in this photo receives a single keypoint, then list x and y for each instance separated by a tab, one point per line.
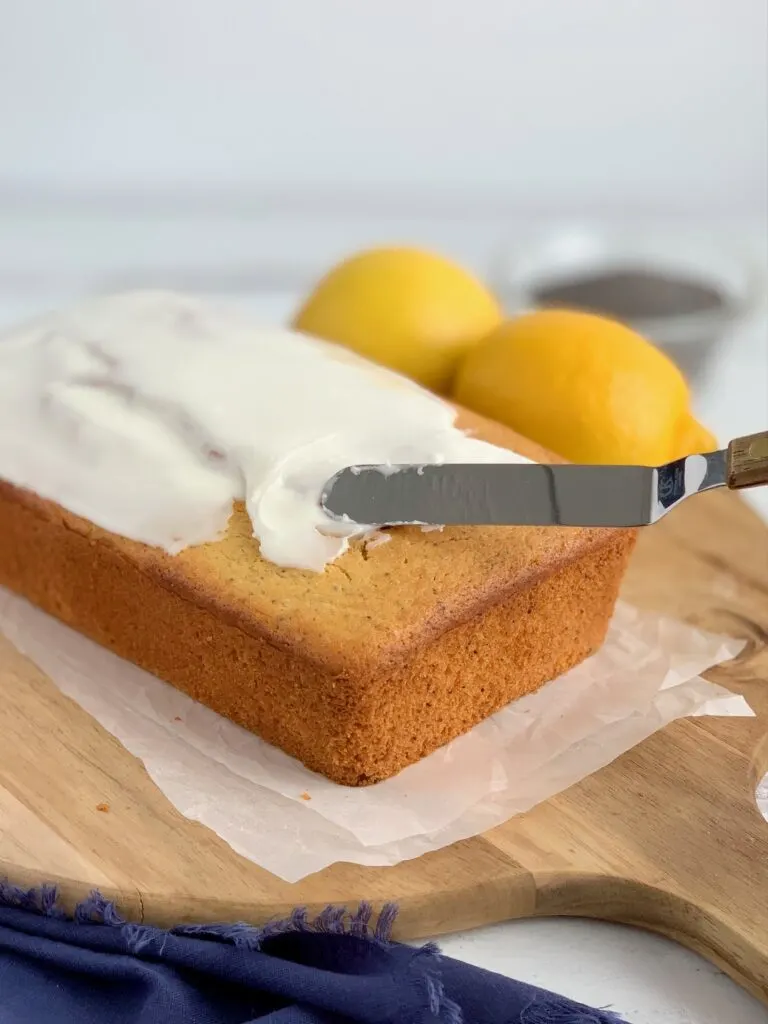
511	494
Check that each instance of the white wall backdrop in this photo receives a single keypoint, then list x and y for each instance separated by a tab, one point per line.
657	104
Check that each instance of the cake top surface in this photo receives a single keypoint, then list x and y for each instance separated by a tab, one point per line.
150	413
375	605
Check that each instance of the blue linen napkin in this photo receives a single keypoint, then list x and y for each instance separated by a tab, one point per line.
95	968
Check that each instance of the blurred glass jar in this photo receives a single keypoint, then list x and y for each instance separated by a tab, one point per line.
682	291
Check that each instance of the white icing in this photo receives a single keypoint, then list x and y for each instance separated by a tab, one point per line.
149	413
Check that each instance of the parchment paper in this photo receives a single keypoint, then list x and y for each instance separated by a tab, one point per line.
273	811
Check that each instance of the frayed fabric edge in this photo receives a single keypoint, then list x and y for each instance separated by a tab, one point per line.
96	909
552	1011
333	920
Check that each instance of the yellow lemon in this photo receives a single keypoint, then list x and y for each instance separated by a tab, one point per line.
585	387
411	310
694	438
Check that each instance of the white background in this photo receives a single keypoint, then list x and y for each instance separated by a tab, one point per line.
641	103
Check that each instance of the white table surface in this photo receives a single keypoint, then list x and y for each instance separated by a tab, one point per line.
648	979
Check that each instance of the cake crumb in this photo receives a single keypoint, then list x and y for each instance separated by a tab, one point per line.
104	808
304	796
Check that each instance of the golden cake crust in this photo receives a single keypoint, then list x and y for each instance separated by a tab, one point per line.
357	671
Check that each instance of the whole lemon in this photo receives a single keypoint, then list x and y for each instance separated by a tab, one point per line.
587	388
411	310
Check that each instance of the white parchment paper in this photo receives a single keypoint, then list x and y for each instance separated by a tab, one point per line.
275	812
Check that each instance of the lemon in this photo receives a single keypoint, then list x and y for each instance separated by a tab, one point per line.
411	310
587	388
694	438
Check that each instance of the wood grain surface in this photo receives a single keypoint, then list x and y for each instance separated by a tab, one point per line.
668	837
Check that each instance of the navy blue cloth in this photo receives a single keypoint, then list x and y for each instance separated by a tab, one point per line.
98	969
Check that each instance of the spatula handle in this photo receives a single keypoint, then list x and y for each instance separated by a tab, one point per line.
748	461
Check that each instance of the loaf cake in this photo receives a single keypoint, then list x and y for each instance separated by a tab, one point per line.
358	670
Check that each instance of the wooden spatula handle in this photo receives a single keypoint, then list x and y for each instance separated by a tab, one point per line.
748	461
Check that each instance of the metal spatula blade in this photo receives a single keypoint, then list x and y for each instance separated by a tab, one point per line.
509	494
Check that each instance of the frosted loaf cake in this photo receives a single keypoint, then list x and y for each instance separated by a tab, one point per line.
130	427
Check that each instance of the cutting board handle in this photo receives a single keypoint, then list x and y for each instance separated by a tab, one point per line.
748	461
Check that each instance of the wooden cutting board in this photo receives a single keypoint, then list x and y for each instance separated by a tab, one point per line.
667	838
